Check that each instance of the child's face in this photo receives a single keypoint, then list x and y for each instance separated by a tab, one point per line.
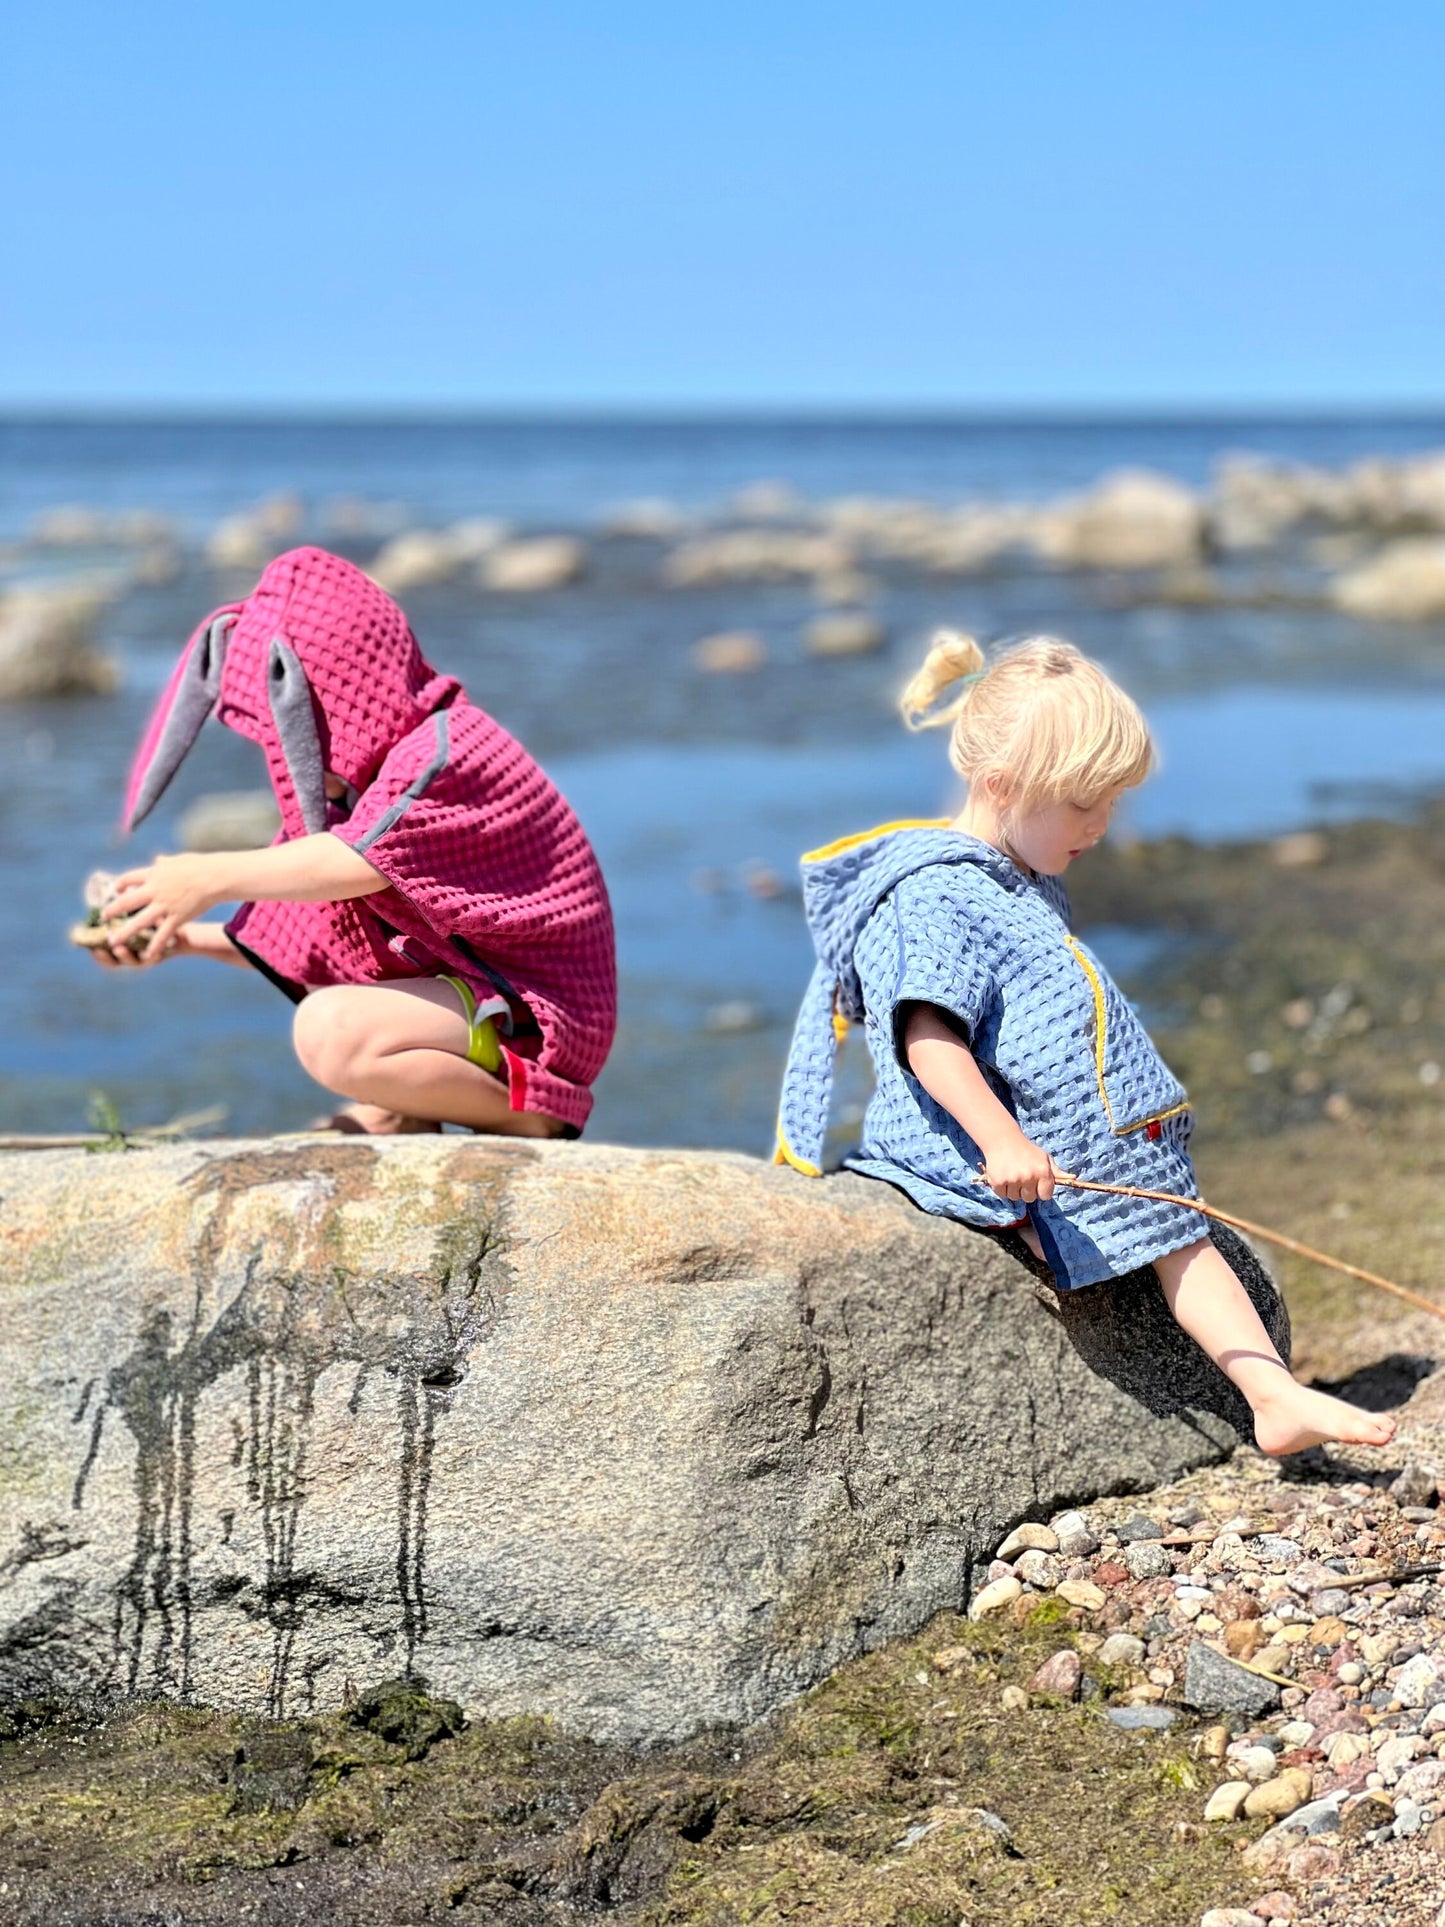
1049	836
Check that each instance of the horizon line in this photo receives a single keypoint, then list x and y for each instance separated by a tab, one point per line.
711	414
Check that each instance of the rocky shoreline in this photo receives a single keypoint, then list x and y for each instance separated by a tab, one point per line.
1366	542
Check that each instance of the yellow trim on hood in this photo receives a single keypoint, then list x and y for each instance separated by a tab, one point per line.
784	1154
826	850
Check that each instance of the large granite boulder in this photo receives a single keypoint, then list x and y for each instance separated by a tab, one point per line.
642	1440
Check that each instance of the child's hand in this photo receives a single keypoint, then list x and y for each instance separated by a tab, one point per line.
1018	1169
161	898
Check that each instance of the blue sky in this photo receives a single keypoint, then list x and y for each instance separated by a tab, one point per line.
713	206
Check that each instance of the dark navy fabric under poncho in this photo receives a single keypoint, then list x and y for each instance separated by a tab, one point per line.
919	913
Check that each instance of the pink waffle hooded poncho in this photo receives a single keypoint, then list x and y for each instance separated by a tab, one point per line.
490	876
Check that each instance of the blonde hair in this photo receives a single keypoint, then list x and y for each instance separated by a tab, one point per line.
1041	716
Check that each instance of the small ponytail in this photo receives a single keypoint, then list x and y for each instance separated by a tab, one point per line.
951	657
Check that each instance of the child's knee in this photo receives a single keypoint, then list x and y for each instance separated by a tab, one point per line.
328	1035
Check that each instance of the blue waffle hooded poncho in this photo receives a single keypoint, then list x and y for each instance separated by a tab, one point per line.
919	913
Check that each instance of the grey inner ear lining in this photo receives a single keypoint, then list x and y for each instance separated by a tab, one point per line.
295	720
193	702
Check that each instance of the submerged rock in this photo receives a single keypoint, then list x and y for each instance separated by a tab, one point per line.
230	820
1132	519
530	566
46	645
643	1441
1404	583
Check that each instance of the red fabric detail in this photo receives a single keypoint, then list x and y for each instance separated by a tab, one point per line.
1154	1130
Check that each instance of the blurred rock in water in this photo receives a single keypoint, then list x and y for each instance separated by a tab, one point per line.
540	562
230	820
1404	583
46	647
1132	519
250	539
844	635
732	652
754	555
87	528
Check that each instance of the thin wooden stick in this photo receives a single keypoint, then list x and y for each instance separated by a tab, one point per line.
1256	1231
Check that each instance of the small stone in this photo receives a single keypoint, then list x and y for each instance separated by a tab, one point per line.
949	1658
1414	1486
998	1569
1350	1674
1317	1816
1435	1838
1059	1675
1028	1537
1421	1681
1147	1560
1408	1819
1278	1550
1230	1917
1321	1704
1109	1572
1396	1754
1121	1649
1139	1528
1329	1631
1013	1699
1213	1683
1226	1803
1075	1539
1258	1764
1310	1863
1215	1743
1344	1749
1329	1602
1273	1799
1039	1569
1295	1733
1152	1719
1421	1783
1276	1906
1243	1638
1080	1592
994	1597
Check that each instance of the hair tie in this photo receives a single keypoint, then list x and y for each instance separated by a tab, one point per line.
972	676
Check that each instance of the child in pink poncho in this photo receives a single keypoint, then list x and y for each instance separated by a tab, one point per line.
431	904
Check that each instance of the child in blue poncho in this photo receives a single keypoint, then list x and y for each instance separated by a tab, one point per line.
1004	1052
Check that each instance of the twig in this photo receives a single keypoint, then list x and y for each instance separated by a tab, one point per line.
1257	1231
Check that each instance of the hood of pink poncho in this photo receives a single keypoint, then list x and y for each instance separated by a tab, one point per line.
318	666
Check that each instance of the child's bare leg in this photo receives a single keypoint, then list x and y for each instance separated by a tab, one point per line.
400	1049
1214	1308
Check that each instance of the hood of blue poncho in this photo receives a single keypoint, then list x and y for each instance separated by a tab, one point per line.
844	882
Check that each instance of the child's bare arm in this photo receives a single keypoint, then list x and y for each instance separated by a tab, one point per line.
173	890
1015	1166
209	940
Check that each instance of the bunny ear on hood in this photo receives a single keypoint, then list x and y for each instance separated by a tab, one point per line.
175	723
289	694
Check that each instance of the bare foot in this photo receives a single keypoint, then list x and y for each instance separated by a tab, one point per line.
1298	1418
370	1120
